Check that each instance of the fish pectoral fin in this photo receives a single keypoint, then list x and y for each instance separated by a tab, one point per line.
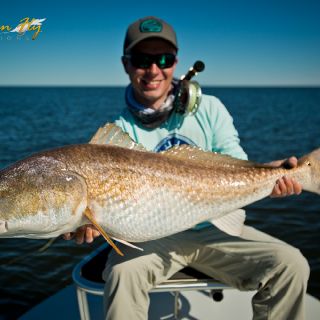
231	223
127	243
89	215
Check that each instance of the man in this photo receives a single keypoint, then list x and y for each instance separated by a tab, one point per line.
251	260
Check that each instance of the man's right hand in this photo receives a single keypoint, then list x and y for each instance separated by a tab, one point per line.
85	233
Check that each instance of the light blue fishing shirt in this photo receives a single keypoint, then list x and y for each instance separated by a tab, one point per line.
211	129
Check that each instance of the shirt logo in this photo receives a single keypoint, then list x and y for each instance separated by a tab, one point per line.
172	140
151	25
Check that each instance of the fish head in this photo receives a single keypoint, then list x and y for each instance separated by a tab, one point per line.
38	211
12	198
40	199
24	209
19	211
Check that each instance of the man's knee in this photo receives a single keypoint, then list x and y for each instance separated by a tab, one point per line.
301	265
118	270
293	262
126	272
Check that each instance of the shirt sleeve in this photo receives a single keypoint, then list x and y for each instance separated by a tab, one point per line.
225	136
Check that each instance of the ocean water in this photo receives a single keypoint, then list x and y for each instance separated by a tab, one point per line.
273	123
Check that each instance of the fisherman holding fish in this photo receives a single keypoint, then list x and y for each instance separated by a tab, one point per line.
246	259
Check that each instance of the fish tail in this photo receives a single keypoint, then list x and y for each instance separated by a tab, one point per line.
312	161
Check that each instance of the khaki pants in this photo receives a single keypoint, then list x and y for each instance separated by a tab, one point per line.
254	261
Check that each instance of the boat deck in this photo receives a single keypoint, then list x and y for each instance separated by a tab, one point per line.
195	305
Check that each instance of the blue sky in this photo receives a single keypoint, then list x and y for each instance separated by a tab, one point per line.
241	42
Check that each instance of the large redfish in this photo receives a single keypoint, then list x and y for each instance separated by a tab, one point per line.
133	194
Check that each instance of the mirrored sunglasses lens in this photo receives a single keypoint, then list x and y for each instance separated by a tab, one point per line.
166	60
144	61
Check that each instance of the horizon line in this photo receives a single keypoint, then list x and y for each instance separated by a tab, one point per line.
125	85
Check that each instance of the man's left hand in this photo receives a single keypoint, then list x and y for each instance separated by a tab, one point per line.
86	233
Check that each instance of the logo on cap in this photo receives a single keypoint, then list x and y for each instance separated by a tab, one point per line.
151	25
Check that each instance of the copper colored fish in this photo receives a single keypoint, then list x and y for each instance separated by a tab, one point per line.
133	194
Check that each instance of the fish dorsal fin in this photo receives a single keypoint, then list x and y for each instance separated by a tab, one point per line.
111	134
207	158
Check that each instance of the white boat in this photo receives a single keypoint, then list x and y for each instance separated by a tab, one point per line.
193	297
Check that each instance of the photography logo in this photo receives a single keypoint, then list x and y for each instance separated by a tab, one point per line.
26	25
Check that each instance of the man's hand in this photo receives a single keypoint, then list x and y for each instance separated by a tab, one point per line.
285	186
85	233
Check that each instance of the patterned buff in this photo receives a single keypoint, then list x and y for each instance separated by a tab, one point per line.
148	117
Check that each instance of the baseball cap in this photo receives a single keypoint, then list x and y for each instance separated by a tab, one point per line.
148	27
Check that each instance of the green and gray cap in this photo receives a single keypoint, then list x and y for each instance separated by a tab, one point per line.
148	27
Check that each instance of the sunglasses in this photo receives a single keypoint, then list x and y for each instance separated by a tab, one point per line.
145	61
